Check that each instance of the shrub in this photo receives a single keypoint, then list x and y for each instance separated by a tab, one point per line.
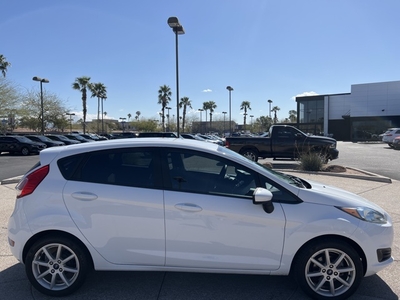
311	161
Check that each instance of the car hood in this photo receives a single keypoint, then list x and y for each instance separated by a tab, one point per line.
321	138
328	195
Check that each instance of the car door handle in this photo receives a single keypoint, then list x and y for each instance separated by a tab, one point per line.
84	196
188	207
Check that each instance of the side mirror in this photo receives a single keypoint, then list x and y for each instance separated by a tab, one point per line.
264	197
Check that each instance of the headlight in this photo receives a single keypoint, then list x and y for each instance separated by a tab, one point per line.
365	214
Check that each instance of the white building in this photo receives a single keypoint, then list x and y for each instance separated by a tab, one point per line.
363	114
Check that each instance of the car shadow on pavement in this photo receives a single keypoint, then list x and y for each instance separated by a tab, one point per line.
177	285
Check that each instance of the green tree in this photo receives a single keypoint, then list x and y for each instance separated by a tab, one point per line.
98	90
293	116
263	123
275	109
129	116
137	115
4	65
9	96
164	96
185	102
245	106
81	84
54	111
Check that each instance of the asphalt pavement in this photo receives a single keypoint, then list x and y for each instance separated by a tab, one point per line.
14	284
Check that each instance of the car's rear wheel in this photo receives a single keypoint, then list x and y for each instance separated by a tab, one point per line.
24	151
56	266
328	269
250	154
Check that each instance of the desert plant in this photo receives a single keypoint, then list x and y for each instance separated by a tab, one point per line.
311	161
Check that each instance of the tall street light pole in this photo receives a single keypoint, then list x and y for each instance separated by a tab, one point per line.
168	108
201	121
224	112
123	123
70	121
230	89
41	80
177	28
270	101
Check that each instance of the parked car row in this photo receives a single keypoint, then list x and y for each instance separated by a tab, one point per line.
34	143
392	138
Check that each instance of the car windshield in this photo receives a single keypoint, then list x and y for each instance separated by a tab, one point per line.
44	138
290	179
23	139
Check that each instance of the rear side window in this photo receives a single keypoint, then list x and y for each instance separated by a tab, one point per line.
138	167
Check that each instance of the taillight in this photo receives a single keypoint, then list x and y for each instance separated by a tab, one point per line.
30	182
227	144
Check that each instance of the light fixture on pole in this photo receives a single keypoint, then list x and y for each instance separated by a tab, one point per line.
177	28
230	89
201	121
41	80
224	112
70	121
123	123
270	101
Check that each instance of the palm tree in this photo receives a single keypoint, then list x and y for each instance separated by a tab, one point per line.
292	116
211	107
164	96
98	90
137	115
129	116
185	102
245	106
205	108
4	64
275	109
81	84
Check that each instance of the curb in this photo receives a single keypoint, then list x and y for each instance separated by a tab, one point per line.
368	176
11	180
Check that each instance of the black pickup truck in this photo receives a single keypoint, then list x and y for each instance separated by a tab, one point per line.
283	141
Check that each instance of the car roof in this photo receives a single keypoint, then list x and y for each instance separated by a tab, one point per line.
50	153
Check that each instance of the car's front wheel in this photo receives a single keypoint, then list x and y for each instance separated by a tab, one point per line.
56	266
328	269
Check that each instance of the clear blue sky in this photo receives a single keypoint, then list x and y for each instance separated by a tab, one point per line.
263	49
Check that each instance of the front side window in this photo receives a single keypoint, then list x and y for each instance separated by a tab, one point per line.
197	172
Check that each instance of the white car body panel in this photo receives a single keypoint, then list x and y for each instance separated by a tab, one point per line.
124	224
207	231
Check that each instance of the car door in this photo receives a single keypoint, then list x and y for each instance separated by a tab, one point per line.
284	142
210	219
114	198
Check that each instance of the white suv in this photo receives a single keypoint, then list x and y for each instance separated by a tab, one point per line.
390	135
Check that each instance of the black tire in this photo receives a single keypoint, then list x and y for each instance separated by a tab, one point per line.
250	154
326	280
25	151
65	261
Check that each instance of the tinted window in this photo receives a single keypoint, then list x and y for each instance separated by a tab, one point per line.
198	172
127	167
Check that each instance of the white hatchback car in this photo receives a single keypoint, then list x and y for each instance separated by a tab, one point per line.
390	135
180	205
